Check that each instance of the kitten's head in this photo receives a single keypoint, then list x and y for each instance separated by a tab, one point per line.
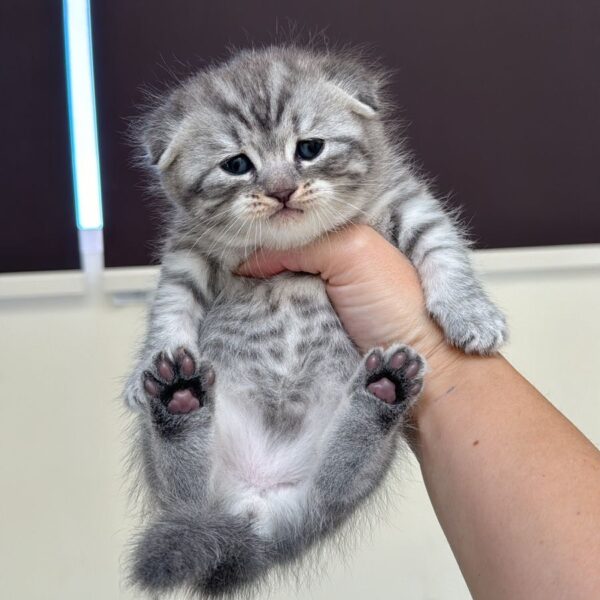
272	148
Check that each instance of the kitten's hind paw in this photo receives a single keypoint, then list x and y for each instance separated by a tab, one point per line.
179	383
206	555
161	561
394	376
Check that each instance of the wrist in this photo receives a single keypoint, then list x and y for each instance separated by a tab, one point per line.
454	393
445	364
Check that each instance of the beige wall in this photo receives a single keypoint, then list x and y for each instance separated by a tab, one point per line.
63	514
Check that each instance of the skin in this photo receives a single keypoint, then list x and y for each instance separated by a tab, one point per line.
516	487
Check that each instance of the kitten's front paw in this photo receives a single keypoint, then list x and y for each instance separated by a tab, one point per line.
179	383
475	325
394	376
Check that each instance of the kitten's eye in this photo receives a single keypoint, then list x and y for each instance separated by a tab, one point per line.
309	149
237	165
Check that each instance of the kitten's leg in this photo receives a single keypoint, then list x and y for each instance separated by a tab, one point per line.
434	243
174	441
362	444
185	288
172	388
191	543
209	553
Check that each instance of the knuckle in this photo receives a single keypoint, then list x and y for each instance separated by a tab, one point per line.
360	240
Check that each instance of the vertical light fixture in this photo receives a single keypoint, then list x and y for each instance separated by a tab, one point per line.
82	113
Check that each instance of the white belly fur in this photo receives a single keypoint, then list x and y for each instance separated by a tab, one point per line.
261	474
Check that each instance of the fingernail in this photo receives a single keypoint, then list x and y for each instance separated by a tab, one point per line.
242	270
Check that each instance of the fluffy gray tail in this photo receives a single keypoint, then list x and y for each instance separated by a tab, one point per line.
209	555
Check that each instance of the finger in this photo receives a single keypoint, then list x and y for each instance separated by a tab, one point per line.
339	258
262	264
266	263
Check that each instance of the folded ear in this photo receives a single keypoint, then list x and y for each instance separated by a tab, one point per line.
359	82
158	131
357	104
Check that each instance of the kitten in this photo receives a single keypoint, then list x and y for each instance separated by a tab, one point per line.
261	428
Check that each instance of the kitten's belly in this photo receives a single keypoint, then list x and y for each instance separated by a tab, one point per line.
283	362
283	329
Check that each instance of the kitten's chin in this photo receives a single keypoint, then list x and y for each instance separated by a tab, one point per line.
292	231
287	215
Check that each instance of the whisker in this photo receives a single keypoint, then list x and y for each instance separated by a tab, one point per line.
323	225
225	232
206	231
357	208
243	222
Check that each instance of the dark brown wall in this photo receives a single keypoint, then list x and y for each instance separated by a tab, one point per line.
37	215
502	100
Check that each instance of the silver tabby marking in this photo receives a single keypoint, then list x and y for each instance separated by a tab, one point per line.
258	435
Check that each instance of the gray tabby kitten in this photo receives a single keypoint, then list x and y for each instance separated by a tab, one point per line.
261	428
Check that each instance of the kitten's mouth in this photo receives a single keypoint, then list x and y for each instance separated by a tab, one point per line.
286	212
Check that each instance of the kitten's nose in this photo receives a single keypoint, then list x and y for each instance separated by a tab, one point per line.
282	195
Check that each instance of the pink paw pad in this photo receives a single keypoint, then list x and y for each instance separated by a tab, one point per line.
183	402
166	370
373	362
384	389
186	364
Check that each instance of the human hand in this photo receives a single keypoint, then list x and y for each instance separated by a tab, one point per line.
372	286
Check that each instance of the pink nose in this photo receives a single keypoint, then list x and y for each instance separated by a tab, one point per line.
282	195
